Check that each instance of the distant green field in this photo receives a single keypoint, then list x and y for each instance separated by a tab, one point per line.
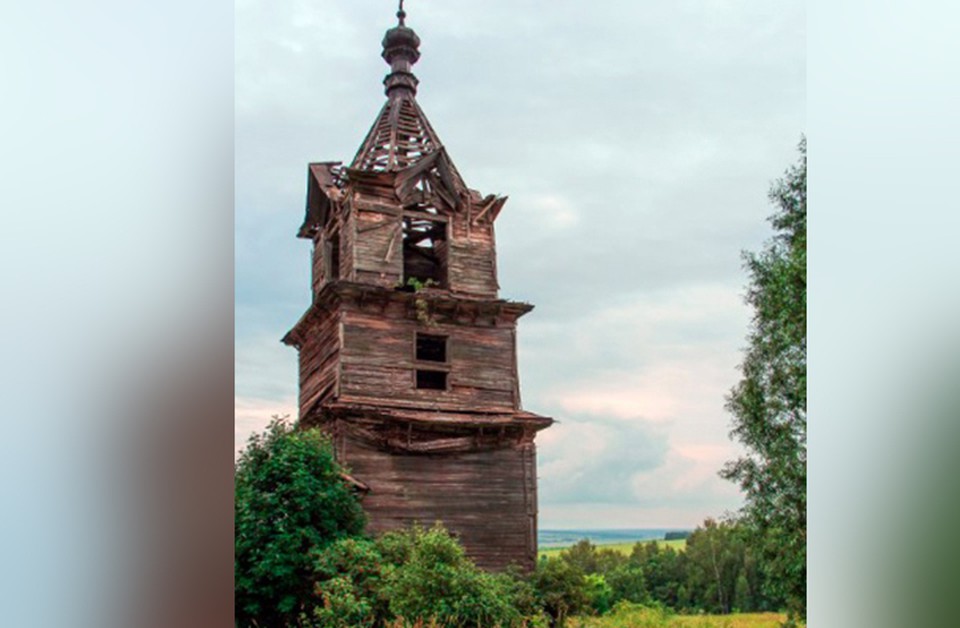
623	548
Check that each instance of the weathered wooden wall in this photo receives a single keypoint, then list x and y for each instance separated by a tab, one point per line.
473	262
487	499
378	363
370	234
379	243
463	455
319	359
348	244
319	271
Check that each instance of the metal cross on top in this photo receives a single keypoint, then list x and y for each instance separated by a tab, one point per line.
401	13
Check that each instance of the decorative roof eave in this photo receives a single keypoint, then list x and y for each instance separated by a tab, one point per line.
324	190
444	181
327	182
442	302
438	418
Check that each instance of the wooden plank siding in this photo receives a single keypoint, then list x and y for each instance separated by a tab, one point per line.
317	266
486	499
370	237
319	360
459	449
379	248
472	260
378	363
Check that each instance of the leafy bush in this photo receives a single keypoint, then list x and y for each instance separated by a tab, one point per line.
628	583
599	593
415	577
438	581
349	581
562	589
289	502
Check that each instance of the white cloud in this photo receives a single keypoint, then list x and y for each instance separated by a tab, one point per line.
252	415
591	458
688	471
551	212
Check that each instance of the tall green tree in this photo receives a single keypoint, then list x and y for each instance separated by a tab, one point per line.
289	503
721	573
769	405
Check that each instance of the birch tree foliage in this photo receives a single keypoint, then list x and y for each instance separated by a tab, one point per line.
769	404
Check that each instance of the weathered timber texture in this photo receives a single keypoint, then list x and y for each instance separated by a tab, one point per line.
319	359
403	249
369	236
378	364
487	499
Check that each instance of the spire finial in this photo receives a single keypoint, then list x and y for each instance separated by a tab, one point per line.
401	50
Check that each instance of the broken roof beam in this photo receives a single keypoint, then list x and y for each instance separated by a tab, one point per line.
444	184
323	192
492	208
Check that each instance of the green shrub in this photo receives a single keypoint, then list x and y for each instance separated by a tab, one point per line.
435	580
582	555
415	578
523	596
289	502
628	584
348	585
599	593
562	589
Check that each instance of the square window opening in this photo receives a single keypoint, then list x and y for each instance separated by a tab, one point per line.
431	348
425	251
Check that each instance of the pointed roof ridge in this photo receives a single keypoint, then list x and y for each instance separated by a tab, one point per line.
399	137
401	133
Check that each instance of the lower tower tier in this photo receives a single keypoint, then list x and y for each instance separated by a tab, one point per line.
474	472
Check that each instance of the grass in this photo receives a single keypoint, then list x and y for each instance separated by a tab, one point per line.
737	620
623	548
639	617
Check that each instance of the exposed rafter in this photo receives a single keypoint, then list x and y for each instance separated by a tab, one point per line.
401	135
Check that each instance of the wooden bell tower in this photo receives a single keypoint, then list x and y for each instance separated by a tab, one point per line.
407	354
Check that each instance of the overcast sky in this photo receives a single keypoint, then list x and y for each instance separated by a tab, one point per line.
636	141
